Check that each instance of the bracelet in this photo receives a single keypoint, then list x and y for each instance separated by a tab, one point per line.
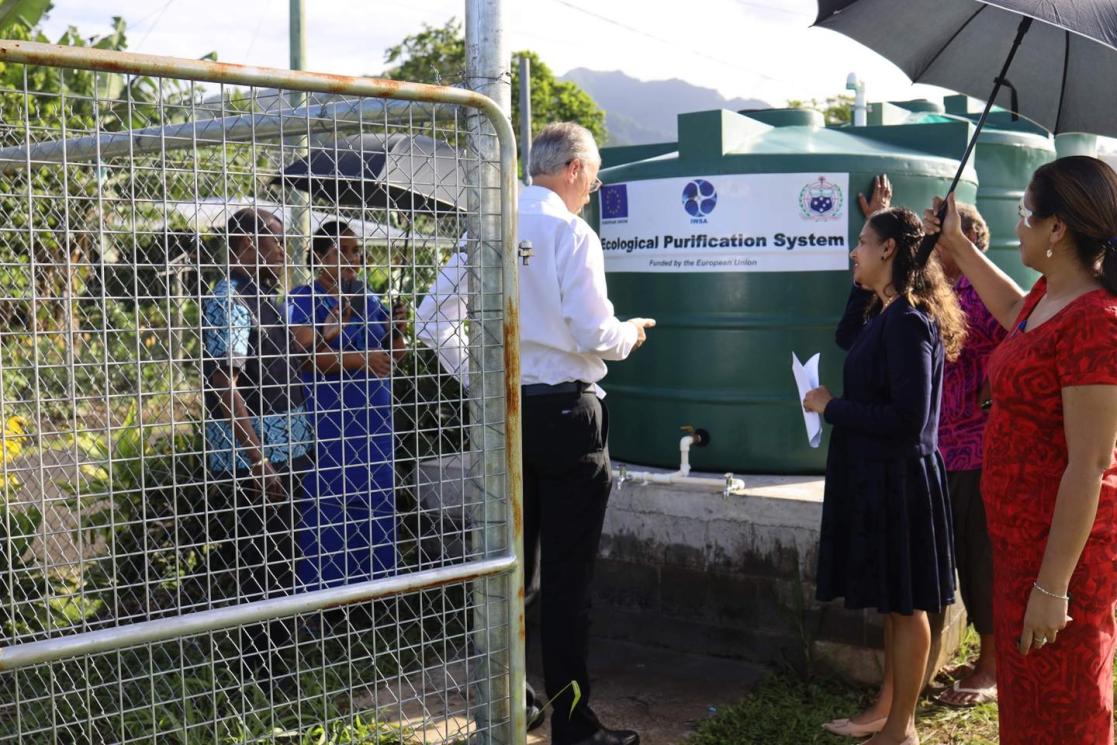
1050	594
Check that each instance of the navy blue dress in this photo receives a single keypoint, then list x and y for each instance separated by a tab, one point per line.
887	540
348	519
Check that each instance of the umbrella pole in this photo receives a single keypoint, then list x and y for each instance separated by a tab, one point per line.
929	241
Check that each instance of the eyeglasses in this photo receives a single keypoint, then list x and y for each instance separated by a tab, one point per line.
1025	213
596	185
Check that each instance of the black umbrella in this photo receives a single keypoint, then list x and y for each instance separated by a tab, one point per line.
401	172
1054	72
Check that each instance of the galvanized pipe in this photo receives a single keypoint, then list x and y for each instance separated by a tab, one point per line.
488	72
119	637
320	119
324	118
297	42
525	118
298	243
130	63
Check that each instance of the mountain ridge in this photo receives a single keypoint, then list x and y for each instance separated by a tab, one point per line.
635	113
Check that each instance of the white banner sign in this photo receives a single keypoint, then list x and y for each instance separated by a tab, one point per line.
770	222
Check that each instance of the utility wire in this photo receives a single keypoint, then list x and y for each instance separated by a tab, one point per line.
155	23
661	40
256	33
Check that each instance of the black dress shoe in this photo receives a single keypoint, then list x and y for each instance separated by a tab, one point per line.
611	737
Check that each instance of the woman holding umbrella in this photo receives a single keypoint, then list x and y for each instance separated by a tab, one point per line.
1050	474
348	520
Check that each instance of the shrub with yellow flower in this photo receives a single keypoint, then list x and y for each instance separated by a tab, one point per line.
13	439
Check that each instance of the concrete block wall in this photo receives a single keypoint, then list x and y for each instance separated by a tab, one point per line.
734	576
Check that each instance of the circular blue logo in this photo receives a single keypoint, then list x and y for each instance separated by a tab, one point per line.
699	198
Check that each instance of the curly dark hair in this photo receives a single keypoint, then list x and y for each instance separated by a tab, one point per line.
973	224
924	286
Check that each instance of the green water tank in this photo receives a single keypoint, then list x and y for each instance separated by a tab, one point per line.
732	300
1076	143
1008	152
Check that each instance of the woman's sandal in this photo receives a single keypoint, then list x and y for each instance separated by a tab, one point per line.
853	729
976	696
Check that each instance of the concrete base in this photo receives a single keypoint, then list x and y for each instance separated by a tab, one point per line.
699	572
735	576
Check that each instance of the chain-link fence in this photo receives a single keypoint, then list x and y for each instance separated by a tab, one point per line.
241	500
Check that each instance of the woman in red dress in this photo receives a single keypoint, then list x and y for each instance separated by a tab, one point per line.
1050	475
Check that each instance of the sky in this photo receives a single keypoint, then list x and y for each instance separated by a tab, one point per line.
755	49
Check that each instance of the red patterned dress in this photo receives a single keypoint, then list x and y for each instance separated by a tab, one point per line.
1062	693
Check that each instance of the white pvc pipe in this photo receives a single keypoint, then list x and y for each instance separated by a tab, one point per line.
727	484
684	455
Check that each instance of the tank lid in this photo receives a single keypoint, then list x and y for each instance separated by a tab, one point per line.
882	114
999	118
786	117
714	134
620	154
962	105
920	105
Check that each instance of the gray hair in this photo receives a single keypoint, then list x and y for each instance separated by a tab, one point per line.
560	143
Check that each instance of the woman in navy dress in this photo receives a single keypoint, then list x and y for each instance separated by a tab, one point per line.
348	520
886	537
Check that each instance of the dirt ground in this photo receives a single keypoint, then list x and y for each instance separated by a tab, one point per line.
657	692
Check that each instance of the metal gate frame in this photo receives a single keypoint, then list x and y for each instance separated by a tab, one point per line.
502	567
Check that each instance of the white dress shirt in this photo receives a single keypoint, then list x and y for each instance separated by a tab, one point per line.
440	319
567	326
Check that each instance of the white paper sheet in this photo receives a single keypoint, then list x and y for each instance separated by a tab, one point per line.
806	378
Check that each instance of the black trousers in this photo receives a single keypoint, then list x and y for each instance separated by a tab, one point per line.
250	555
566	490
973	551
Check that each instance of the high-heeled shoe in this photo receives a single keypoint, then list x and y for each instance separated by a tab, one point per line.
850	728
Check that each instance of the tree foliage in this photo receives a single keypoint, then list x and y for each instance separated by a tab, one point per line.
60	238
436	54
25	13
835	109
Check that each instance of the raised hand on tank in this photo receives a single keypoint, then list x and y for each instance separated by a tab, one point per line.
879	199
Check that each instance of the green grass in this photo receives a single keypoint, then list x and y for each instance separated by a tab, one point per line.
785	710
187	695
185	692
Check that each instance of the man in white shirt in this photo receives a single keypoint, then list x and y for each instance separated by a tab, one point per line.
567	332
440	319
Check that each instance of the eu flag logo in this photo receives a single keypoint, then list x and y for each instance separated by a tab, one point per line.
614	201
